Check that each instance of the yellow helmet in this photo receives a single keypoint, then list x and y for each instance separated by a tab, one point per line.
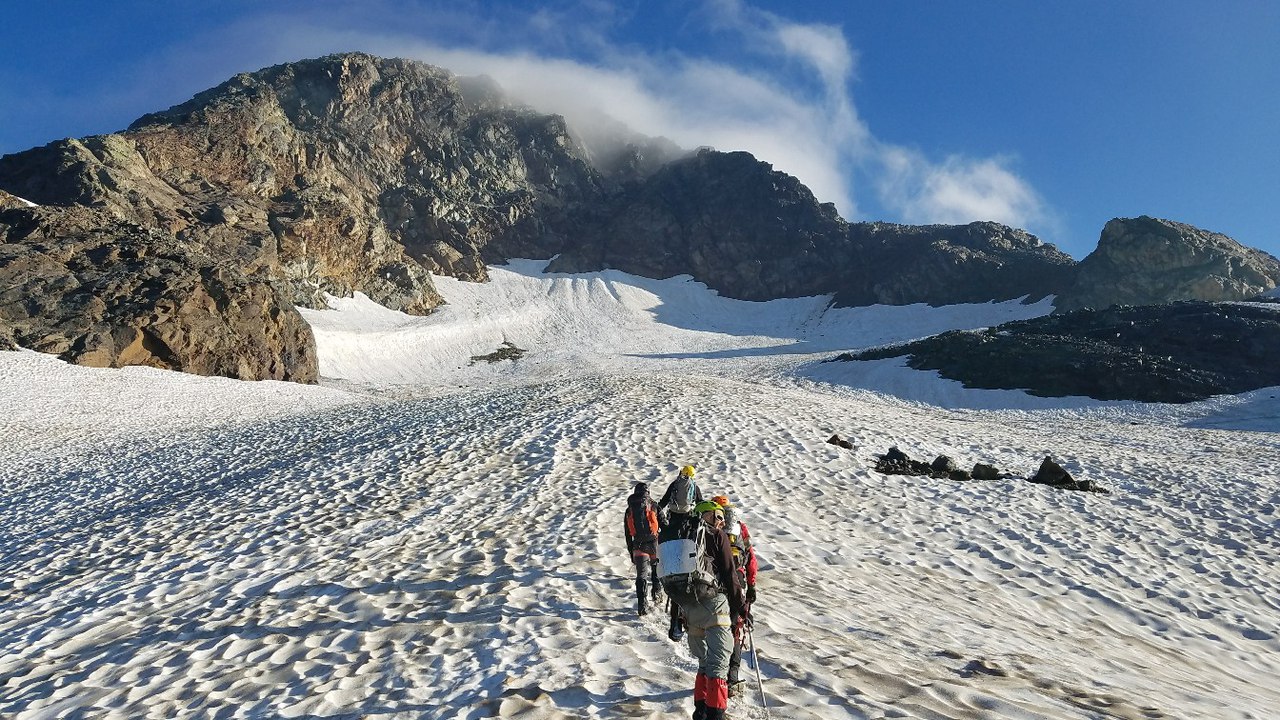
687	471
722	501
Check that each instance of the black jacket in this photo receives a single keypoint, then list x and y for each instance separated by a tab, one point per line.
666	496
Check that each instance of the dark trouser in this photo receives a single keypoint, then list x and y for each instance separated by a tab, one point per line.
735	660
646	580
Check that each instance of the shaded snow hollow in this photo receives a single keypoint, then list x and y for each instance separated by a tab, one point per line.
427	537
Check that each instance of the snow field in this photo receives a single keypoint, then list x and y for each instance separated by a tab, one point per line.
443	539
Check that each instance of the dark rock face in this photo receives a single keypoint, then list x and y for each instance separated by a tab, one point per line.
1147	261
948	264
1167	353
729	220
753	233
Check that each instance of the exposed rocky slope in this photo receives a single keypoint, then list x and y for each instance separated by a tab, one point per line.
109	293
167	244
1161	353
947	264
1148	261
336	175
728	220
754	233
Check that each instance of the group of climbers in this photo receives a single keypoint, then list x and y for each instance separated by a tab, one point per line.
699	552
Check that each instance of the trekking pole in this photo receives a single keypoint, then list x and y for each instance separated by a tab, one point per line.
755	660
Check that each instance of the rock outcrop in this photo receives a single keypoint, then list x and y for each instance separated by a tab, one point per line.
102	292
9	202
949	264
1148	261
727	219
1159	353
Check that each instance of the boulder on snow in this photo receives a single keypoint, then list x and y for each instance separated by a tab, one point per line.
1054	475
983	471
896	462
943	464
837	440
983	666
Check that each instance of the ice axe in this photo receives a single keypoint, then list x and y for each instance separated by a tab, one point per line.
755	663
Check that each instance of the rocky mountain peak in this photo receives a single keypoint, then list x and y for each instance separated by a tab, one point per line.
1146	261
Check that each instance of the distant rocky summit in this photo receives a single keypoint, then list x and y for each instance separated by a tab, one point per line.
1147	261
1158	353
187	241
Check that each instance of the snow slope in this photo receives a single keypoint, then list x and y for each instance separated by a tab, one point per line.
427	537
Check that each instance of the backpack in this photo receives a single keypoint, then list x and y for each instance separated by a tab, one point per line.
683	564
739	544
638	509
683	494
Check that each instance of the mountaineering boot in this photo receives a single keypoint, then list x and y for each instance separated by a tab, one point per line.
735	683
676	631
642	594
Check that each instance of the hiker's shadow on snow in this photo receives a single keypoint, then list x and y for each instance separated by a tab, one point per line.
571	702
385	708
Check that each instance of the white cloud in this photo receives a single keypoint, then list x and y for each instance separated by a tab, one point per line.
823	47
957	190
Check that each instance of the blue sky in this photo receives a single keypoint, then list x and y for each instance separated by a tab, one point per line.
1050	116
